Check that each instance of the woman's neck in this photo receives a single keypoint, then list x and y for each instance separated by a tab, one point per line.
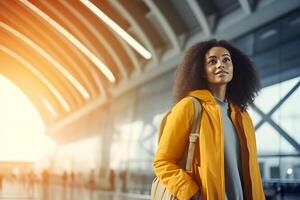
218	91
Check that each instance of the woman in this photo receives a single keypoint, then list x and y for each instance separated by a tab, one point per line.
225	164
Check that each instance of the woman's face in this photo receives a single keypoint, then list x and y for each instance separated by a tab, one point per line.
218	66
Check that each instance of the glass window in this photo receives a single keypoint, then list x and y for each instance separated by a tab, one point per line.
256	118
287	115
267	133
271	95
279	157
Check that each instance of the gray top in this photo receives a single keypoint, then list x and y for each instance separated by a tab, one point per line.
232	161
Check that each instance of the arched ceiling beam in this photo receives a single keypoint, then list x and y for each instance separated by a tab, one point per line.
86	41
49	106
39	75
36	29
49	58
42	65
200	16
164	24
90	27
122	33
13	56
133	58
101	66
19	75
136	28
245	4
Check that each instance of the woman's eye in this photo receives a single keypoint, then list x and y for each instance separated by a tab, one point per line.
212	62
226	60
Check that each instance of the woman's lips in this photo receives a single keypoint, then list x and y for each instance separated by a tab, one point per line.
221	72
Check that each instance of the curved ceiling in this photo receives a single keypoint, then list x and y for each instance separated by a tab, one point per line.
60	53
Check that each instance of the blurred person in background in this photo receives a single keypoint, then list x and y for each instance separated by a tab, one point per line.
112	178
31	179
45	184
1	181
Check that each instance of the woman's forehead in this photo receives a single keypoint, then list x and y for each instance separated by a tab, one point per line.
217	51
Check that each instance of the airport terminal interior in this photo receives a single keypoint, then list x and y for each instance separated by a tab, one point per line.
84	85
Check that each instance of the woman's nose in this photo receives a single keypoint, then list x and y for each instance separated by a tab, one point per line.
220	64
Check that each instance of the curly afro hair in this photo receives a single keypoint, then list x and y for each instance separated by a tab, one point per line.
189	75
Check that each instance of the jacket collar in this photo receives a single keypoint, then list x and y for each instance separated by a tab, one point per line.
206	96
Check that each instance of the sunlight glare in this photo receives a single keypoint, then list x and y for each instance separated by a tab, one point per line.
22	131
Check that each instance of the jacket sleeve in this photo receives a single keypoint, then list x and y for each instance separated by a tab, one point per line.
171	148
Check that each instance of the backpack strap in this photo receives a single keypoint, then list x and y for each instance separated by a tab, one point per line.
194	134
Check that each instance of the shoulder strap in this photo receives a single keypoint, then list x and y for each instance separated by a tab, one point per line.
194	134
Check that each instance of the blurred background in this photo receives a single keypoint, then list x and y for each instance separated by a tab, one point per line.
84	85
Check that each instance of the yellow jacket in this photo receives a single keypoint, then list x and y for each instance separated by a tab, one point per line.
208	167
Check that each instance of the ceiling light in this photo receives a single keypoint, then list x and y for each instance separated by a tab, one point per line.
121	32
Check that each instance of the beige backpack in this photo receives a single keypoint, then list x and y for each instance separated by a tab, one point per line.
158	189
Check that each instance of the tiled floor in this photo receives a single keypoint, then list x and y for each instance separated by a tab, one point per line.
16	191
